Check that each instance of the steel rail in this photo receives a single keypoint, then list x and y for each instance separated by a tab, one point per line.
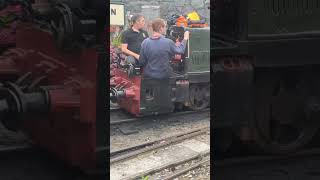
128	120
176	163
131	153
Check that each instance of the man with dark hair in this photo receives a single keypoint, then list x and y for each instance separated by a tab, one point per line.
156	52
133	37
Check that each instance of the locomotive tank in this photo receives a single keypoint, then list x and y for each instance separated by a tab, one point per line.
282	27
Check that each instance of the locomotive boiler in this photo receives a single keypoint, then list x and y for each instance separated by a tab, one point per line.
52	82
265	62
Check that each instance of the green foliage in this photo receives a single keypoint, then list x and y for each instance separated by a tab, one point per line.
145	178
116	41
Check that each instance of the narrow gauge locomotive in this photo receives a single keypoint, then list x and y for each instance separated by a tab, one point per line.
189	87
50	80
265	64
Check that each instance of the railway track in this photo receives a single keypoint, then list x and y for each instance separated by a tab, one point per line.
117	116
160	148
203	161
126	153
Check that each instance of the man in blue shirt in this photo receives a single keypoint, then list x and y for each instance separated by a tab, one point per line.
156	52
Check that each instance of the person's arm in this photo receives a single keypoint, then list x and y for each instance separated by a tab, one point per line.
178	49
124	47
143	56
181	47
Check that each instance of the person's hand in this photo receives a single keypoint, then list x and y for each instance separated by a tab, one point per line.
137	57
177	42
186	35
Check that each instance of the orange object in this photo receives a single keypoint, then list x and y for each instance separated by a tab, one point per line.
198	25
181	21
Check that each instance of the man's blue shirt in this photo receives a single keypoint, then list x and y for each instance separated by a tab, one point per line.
155	55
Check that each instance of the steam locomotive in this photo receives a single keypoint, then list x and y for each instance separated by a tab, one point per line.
265	64
52	76
189	87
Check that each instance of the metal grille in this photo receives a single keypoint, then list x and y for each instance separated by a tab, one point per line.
200	57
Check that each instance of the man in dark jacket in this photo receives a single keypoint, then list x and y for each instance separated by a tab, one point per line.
156	52
133	37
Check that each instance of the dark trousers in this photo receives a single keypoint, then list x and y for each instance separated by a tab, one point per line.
156	95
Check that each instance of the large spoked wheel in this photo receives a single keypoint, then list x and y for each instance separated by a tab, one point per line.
199	97
281	122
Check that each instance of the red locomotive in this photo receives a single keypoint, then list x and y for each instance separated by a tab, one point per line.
50	81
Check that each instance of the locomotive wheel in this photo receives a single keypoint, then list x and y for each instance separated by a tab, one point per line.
281	123
199	97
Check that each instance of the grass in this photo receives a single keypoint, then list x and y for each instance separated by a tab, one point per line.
145	178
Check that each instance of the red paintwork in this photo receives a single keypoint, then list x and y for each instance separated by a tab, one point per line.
131	101
7	34
69	130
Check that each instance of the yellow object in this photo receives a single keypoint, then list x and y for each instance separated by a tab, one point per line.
193	16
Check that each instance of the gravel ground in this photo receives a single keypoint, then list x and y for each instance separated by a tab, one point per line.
155	129
197	174
202	172
160	128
